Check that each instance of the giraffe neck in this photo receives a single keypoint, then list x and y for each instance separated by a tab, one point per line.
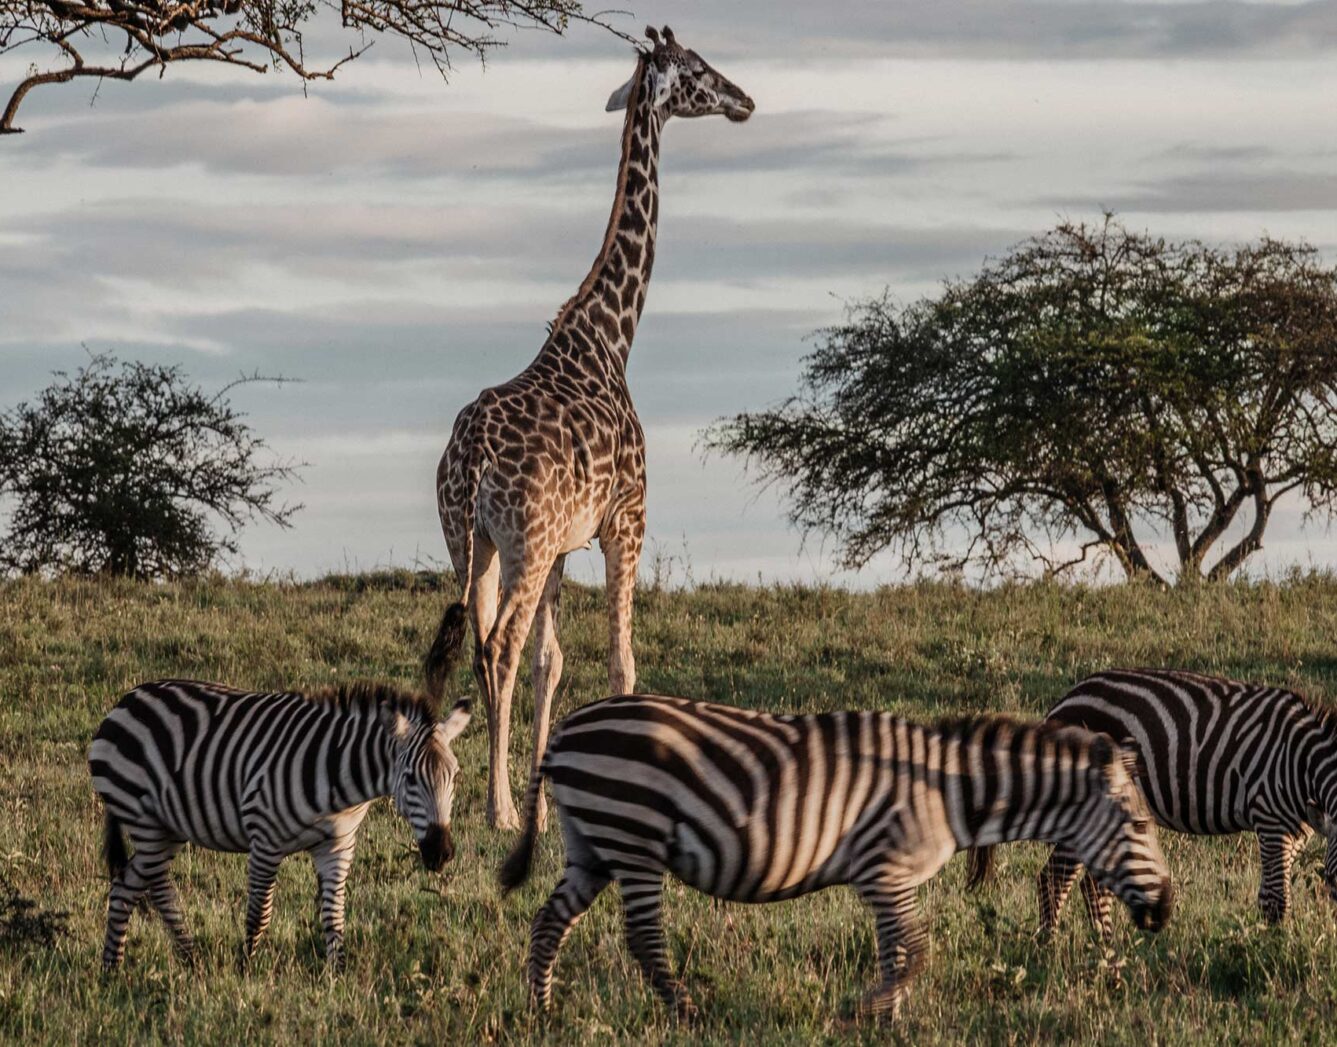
606	307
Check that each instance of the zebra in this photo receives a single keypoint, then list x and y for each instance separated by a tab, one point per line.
752	807
268	773
1219	756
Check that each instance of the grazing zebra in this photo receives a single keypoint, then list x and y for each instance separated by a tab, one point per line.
178	761
1219	757
757	808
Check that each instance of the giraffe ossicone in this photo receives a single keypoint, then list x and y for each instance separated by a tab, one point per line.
554	458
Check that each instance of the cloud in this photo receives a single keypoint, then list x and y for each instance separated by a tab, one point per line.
1220	190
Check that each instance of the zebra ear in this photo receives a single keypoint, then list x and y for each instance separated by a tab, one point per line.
1314	816
456	721
1102	751
395	721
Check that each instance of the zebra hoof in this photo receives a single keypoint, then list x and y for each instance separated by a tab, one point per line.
882	1004
685	1012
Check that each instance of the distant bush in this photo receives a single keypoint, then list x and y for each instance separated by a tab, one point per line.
129	470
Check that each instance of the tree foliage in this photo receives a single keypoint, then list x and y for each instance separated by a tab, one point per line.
1095	384
120	39
130	471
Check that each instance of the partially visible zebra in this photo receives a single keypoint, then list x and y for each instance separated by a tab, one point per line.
179	761
1219	757
757	808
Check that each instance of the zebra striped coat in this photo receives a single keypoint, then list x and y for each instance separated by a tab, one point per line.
759	808
180	761
1219	757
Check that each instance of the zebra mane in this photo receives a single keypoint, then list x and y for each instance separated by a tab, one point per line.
980	721
370	694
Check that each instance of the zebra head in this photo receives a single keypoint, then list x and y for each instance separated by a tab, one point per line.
1323	822
1321	808
423	778
1114	835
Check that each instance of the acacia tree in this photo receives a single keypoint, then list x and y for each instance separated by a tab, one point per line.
129	471
1095	384
120	39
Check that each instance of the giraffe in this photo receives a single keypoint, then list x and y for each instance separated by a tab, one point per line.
554	458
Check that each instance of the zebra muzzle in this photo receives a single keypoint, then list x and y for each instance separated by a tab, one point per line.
1156	915
436	847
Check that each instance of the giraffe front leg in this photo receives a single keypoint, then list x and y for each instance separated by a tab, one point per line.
547	671
522	584
622	556
332	859
1277	850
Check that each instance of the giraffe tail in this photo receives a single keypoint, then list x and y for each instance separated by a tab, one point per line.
444	654
515	869
980	867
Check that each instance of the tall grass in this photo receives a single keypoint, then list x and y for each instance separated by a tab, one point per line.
439	958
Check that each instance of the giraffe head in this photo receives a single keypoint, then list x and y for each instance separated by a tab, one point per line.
681	83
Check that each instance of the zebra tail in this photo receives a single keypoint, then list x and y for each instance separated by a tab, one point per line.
444	654
981	866
515	869
113	847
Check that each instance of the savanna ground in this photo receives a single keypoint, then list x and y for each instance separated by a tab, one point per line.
439	959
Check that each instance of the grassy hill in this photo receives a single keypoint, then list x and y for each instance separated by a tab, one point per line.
439	959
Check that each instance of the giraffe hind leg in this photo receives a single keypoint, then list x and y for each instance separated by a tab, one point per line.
547	670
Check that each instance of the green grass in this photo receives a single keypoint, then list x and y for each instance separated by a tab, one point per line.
439	959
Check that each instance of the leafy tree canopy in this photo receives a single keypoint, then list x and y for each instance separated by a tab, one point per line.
130	470
1096	385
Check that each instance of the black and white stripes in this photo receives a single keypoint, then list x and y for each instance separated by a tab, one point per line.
758	808
181	762
1219	757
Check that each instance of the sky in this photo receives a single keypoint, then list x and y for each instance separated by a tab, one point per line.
398	243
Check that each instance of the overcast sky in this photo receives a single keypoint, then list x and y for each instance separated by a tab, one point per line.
398	243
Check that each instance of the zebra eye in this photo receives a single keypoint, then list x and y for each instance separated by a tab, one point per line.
1141	825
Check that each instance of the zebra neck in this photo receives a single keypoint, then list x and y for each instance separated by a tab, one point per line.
1004	788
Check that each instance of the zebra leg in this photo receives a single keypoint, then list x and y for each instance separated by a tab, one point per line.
164	896
1097	900
570	899
1277	850
900	944
262	867
642	903
1055	884
332	858
147	867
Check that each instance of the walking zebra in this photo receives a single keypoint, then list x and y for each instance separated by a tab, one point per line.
180	761
757	808
1219	757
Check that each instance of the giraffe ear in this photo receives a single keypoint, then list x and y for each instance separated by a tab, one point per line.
618	99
